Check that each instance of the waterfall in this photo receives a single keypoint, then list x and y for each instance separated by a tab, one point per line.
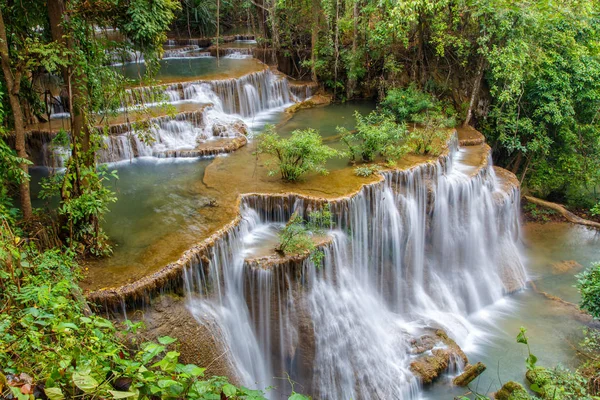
424	248
233	105
170	136
182	52
227	309
246	96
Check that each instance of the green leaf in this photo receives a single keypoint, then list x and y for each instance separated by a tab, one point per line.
536	388
521	338
297	396
63	326
192	370
229	390
54	393
122	395
85	382
166	340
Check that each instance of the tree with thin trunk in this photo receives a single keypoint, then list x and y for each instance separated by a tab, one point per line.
12	77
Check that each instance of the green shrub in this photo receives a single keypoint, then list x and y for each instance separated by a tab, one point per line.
303	152
376	134
297	236
367	170
406	103
588	284
415	106
431	137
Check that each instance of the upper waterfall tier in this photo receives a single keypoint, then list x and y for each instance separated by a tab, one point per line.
209	109
247	95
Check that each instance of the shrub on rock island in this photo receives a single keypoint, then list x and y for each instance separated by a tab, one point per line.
301	153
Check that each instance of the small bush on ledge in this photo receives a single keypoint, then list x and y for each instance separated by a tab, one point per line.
366	171
302	153
376	135
297	236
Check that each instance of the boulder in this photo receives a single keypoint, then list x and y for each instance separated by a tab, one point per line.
436	351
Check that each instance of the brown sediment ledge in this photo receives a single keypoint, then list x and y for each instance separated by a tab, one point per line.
122	122
581	315
275	260
314	101
468	136
210	148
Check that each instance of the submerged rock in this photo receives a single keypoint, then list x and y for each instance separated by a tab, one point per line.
562	267
437	351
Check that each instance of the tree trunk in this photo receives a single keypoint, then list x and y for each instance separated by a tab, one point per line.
218	27
337	46
274	27
314	38
76	82
352	81
475	92
12	86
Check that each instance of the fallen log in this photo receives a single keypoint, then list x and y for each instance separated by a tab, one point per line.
471	372
569	216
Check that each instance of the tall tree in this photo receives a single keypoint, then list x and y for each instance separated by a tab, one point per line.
12	78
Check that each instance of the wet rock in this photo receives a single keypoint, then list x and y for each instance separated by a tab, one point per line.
198	344
512	391
471	372
436	351
314	101
230	129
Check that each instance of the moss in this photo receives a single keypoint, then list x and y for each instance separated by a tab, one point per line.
558	384
512	391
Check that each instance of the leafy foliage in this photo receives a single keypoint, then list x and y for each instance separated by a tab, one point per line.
376	135
431	137
302	153
588	284
406	104
297	236
83	214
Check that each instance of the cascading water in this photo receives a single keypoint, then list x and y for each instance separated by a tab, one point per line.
227	308
422	249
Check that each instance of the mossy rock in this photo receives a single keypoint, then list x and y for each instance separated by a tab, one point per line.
429	367
558	384
512	391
